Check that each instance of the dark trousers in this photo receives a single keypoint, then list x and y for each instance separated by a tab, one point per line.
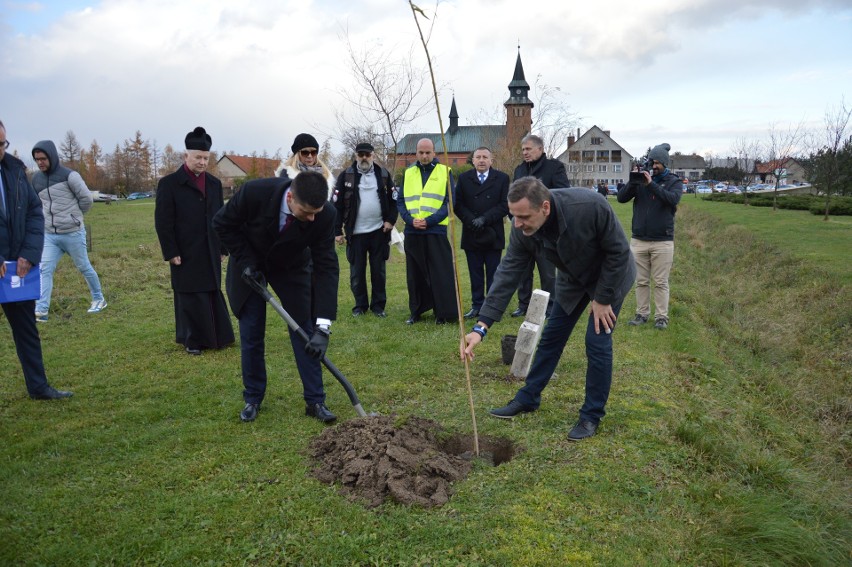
598	354
429	273
358	248
21	316
252	319
547	277
481	264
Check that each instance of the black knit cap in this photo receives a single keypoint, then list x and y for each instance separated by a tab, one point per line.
304	141
198	139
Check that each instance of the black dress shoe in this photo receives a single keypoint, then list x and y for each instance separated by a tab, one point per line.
51	393
441	321
380	313
249	412
583	430
357	312
320	412
193	351
413	319
519	312
471	314
510	410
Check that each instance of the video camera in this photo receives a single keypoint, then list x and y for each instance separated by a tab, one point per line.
644	164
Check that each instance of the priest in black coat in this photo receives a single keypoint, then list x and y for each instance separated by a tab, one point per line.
281	231
481	205
186	202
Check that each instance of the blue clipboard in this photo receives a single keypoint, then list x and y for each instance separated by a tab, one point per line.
13	288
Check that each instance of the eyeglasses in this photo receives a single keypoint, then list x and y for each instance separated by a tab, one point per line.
365	154
306	153
4	144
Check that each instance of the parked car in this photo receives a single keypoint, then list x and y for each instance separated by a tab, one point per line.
734	189
611	190
100	197
720	188
703	190
139	195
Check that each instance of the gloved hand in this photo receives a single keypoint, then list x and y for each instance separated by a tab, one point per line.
318	344
478	223
253	274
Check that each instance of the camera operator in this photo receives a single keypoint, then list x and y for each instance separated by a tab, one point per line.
656	194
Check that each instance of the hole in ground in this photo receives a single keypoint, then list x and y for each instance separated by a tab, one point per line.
492	450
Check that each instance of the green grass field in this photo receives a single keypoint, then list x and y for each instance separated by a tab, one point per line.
727	439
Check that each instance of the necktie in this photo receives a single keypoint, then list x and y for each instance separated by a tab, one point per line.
2	195
481	178
288	220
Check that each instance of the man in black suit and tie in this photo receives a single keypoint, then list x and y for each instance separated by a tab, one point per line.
481	205
282	230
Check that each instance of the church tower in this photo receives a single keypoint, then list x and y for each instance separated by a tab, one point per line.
518	106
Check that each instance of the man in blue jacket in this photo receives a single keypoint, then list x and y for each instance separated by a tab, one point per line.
655	200
21	242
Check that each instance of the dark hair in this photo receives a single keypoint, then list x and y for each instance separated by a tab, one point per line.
486	148
310	188
531	189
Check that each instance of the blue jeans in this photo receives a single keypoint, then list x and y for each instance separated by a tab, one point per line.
73	244
598	353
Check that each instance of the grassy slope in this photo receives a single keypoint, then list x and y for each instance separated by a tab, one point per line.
726	440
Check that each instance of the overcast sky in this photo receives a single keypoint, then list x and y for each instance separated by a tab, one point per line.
695	73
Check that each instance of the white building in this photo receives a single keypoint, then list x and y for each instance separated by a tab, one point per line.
595	158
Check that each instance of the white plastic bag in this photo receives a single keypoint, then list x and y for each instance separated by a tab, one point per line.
397	239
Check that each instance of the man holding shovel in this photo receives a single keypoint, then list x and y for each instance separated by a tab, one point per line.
577	230
282	231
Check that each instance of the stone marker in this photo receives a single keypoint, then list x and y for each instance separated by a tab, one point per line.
529	334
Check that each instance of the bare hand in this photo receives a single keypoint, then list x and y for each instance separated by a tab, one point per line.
647	176
2	269
471	340
24	267
419	224
387	227
175	261
604	317
340	239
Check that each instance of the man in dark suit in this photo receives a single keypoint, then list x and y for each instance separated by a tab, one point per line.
282	231
21	242
481	205
552	173
186	202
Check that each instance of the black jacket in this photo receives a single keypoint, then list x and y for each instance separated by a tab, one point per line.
22	227
183	218
347	198
654	207
300	264
551	172
488	200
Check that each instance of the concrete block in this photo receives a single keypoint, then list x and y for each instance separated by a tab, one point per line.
528	336
538	307
521	364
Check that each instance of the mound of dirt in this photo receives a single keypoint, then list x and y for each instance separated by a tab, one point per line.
375	458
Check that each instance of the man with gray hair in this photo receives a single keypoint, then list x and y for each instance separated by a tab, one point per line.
655	198
578	231
551	172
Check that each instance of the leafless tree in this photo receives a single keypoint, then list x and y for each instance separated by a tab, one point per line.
387	96
746	152
780	146
552	118
70	149
825	162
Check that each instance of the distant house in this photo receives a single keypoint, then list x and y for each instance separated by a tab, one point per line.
789	171
503	139
234	169
595	158
689	167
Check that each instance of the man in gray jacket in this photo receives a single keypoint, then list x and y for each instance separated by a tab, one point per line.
577	230
64	198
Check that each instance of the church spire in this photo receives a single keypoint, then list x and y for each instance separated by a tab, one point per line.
454	117
519	88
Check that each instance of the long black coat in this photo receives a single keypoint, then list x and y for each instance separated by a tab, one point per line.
551	172
300	264
183	218
489	200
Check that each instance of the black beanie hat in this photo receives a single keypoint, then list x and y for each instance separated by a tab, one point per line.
661	154
198	139
304	141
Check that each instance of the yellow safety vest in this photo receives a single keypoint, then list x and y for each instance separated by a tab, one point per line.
421	201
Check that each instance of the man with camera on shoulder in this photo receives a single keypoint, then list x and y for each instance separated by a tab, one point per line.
655	195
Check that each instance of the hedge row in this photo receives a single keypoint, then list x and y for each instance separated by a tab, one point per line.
813	203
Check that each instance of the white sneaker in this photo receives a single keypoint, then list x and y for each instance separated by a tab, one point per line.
98	306
40	317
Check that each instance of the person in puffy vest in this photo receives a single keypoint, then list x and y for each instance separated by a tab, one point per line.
64	198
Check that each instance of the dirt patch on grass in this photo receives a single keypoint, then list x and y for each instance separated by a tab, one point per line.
376	458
